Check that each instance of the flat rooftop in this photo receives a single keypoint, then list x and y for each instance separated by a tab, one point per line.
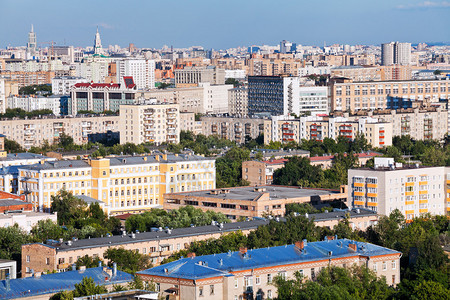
253	193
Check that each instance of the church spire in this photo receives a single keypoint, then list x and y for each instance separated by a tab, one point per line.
97	43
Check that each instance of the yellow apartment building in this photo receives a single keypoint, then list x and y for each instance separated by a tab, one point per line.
125	184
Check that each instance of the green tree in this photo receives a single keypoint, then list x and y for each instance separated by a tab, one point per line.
298	171
64	295
11	240
88	287
88	261
229	168
12	146
129	261
68	207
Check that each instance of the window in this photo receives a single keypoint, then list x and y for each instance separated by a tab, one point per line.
375	267
28	258
211	289
158	287
269	278
269	294
394	265
248	281
282	274
200	291
384	266
236	283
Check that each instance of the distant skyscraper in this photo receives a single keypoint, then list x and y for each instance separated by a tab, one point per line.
395	54
285	46
31	45
98	43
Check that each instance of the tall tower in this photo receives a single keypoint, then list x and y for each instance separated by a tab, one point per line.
31	45
395	53
98	43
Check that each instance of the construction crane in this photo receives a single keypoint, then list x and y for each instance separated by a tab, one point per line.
52	56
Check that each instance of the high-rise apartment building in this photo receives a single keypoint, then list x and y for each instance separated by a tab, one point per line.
313	100
238	102
149	123
142	71
274	95
395	53
7	87
34	132
414	190
62	85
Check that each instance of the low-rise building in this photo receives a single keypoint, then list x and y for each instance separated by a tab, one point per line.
250	272
8	268
158	244
37	102
123	183
42	286
414	190
149	123
252	201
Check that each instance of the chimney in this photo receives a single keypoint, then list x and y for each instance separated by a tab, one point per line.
157	157
352	247
242	250
300	245
8	284
164	156
114	272
330	238
191	255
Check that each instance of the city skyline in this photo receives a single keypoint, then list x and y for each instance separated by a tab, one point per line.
226	25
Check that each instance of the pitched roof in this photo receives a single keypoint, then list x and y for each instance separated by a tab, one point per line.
224	264
54	283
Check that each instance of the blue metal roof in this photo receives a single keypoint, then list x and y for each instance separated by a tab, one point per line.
221	264
54	283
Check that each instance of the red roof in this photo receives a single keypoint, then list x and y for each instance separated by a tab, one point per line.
360	155
275	161
129	82
124	216
97	85
5	195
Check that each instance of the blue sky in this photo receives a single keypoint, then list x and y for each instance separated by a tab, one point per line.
223	24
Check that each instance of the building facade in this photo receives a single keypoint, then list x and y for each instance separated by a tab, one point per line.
124	184
36	102
233	129
62	85
33	132
142	71
7	87
149	123
192	76
158	245
347	95
251	201
100	97
250	273
274	95
411	189
238	102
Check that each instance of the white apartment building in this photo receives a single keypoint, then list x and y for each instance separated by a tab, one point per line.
312	70
238	102
33	132
93	69
35	102
142	71
62	85
215	97
395	53
7	87
414	190
149	123
26	219
313	99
